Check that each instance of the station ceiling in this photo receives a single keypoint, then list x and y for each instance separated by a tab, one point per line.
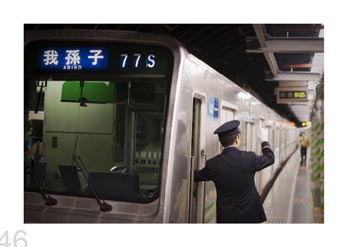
259	58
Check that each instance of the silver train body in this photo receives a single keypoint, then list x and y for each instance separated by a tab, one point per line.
200	99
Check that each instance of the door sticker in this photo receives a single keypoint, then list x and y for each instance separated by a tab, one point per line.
213	108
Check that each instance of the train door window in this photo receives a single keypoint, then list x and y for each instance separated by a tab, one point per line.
228	114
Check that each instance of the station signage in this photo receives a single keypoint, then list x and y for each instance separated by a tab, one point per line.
291	94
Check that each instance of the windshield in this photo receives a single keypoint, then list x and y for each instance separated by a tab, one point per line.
103	135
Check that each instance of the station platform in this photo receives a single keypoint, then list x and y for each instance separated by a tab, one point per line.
290	199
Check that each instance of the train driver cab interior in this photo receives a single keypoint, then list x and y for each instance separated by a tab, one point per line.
102	134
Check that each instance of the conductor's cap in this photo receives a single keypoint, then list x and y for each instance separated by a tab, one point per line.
228	129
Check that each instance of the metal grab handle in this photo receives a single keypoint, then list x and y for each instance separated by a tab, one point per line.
203	153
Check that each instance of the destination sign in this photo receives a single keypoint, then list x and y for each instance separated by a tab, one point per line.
76	58
87	58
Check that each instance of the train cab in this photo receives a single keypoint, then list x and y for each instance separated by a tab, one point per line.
99	109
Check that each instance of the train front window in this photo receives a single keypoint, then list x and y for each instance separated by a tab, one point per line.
91	136
105	134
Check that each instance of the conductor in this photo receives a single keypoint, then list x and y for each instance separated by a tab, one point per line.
233	173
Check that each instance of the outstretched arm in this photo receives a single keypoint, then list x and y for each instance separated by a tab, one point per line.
268	157
265	160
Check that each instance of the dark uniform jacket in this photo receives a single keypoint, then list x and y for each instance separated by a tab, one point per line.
233	173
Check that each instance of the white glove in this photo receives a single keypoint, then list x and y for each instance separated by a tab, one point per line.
263	134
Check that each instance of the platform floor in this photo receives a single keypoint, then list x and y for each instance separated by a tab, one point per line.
302	204
289	200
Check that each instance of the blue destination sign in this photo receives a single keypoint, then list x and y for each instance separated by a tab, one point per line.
70	59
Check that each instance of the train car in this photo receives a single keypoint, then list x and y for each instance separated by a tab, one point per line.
116	122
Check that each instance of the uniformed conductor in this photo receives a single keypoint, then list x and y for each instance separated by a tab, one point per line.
233	173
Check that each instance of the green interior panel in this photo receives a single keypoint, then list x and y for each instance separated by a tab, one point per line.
94	92
71	117
71	91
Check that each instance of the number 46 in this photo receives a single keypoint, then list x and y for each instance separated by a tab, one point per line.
17	241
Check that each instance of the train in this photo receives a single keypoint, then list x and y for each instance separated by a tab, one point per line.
116	122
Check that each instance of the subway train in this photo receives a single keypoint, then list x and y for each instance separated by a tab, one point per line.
116	122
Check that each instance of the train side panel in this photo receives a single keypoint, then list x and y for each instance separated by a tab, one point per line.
220	101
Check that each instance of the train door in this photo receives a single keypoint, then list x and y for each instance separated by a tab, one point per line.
249	136
228	113
198	157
